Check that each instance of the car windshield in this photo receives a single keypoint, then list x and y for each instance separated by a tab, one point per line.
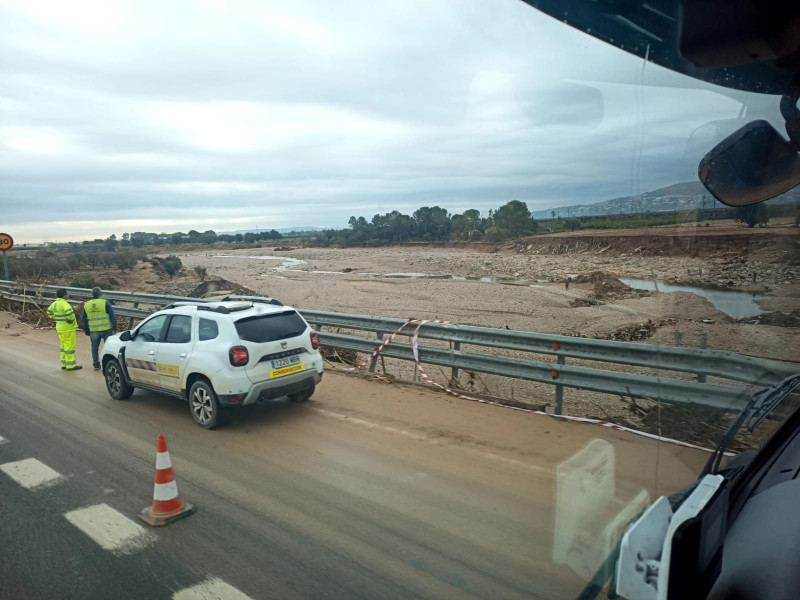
530	316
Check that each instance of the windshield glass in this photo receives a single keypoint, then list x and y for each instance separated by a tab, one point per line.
580	320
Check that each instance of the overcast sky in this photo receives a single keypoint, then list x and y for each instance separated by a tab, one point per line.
162	116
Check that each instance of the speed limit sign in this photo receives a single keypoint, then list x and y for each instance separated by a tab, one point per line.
6	243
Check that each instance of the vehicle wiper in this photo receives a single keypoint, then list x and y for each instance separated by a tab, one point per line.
759	406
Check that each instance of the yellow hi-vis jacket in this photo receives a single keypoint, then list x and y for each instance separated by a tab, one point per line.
61	312
96	315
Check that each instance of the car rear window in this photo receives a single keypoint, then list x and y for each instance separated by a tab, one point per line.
208	329
269	328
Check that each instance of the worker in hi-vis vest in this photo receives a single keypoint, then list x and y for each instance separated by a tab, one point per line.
99	322
66	324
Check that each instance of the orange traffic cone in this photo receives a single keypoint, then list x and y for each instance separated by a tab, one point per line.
167	506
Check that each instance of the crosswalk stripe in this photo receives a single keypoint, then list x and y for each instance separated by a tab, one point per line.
210	589
31	473
110	529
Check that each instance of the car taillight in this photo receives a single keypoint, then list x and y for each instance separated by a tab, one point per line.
238	356
314	340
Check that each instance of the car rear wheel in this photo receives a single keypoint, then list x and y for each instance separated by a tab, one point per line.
302	396
204	406
116	385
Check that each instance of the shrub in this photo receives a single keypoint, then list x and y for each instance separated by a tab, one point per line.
201	272
36	268
494	234
76	261
125	260
170	265
83	281
87	281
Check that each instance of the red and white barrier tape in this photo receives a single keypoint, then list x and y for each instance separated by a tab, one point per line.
415	349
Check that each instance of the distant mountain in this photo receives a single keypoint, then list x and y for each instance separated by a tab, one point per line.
690	195
298	229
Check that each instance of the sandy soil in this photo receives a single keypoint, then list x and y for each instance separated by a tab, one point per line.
545	308
531	296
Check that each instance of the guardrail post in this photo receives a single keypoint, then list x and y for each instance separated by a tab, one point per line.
678	338
701	377
130	319
559	391
454	370
374	360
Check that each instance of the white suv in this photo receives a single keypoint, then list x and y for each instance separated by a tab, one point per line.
216	355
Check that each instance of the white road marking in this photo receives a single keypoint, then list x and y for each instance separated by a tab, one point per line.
210	589
31	473
422	438
112	530
3	440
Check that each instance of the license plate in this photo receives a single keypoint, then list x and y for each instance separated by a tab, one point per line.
285	362
285	371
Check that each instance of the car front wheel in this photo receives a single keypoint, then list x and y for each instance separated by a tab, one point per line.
205	407
116	385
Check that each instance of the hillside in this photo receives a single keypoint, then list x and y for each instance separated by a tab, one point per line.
690	195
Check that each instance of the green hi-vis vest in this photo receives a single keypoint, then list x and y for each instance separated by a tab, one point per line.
61	312
97	315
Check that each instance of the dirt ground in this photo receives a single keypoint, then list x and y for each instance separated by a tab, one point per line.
521	285
530	293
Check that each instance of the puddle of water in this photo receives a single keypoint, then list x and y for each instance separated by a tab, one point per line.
736	304
287	262
454	277
418	275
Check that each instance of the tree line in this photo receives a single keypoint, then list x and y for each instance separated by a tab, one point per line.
433	223
139	239
46	264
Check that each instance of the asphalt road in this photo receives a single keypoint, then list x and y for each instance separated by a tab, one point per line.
367	491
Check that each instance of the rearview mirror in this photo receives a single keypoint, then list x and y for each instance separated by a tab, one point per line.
125	336
753	164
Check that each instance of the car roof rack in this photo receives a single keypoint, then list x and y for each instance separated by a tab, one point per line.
180	303
217	309
260	299
212	307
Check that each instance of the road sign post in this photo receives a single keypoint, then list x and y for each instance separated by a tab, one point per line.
6	243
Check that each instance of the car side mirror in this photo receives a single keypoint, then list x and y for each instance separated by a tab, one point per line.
753	164
125	336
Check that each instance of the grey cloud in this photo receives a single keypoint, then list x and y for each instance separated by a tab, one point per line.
308	112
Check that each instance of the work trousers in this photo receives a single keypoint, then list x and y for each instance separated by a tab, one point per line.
68	342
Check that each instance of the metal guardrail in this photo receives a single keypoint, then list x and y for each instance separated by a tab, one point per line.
609	382
697	362
727	365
